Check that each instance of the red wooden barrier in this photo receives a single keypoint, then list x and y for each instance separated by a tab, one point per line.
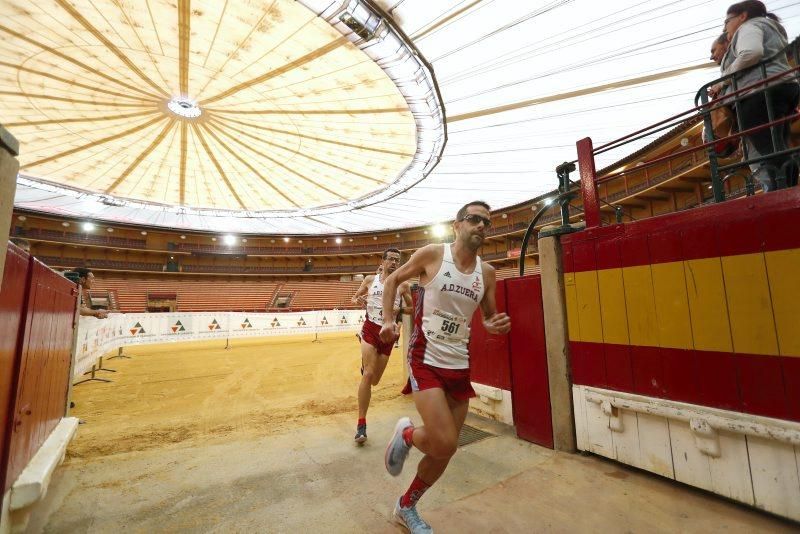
530	391
12	308
41	330
488	355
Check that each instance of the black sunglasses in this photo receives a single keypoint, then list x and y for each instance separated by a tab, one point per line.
474	218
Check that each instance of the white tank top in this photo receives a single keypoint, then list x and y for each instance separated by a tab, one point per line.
442	322
375	301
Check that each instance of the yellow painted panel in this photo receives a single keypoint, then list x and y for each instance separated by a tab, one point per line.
640	306
588	295
708	306
571	297
783	269
749	304
672	306
612	306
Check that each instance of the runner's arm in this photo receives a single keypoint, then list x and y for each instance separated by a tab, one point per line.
407	304
362	289
495	323
415	266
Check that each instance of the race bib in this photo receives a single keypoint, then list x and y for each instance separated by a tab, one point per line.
447	328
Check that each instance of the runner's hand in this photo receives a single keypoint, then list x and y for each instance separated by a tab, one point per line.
389	332
499	323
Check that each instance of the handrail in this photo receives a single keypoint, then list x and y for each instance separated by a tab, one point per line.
703	108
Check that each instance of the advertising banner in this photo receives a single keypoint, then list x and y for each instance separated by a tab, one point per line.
97	337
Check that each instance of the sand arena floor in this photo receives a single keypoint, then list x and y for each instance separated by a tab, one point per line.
202	392
259	438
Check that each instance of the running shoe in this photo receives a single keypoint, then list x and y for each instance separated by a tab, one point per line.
410	519
397	450
361	434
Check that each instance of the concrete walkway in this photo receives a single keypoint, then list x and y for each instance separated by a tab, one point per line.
312	478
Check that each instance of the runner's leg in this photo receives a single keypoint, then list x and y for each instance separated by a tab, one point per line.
437	438
374	365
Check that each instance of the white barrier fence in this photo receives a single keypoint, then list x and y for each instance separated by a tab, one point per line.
97	337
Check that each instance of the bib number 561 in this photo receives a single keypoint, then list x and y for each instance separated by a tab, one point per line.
450	327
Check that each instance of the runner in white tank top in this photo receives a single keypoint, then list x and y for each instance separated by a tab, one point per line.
454	282
448	302
375	301
374	352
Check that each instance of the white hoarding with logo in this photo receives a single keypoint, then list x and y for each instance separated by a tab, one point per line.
98	337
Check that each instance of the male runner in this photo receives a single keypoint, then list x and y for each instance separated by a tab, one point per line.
374	352
453	282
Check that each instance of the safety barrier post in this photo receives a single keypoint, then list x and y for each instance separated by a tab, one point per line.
9	165
591	204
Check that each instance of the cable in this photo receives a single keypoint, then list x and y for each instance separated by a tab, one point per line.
524	18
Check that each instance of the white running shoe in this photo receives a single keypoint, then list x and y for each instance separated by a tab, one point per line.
410	519
397	450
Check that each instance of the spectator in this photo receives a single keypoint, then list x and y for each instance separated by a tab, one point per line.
719	47
85	282
754	35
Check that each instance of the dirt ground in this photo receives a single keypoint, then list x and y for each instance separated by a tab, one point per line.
259	438
202	392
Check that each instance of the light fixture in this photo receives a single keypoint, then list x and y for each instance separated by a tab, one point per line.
363	22
425	232
397	235
299	240
548	201
324	240
351	239
21	218
374	238
505	215
338	240
213	239
183	107
172	257
684	141
244	240
285	239
271	240
111	230
229	240
439	230
144	233
88	227
183	237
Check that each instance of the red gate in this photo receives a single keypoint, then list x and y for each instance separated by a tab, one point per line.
530	390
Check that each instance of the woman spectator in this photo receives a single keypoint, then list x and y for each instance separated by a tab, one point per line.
754	35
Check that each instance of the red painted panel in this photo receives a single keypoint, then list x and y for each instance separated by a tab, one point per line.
665	246
699	242
567	257
680	378
12	308
761	385
740	235
717	380
777	232
530	384
791	380
44	365
588	364
648	371
738	226
609	254
584	256
619	367
488	354
634	250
